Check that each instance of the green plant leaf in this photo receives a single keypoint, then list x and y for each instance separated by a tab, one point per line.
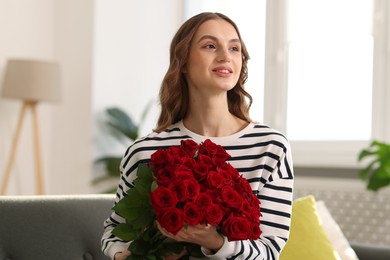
378	180
139	247
377	172
194	250
364	153
112	164
130	207
365	172
135	257
125	232
144	179
120	121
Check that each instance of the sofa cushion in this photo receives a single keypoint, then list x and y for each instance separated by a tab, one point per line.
53	227
334	233
308	239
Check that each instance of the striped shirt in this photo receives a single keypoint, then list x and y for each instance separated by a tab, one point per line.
261	154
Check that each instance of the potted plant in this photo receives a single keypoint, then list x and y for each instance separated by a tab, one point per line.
377	171
124	130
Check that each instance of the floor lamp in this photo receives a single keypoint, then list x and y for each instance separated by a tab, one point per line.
31	81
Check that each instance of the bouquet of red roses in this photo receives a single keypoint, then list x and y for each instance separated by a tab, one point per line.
183	185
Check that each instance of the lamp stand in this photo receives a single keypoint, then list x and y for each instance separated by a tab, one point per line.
27	104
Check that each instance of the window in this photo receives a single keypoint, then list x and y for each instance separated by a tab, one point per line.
326	72
330	58
325	68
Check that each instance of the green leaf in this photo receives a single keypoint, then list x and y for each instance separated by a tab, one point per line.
145	172
377	172
365	173
144	179
132	205
139	247
112	164
125	232
136	209
154	186
378	180
135	257
364	153
120	121
194	250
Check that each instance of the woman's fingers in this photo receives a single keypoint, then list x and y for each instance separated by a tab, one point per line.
122	255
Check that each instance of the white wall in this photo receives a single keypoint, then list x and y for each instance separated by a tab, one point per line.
77	34
131	56
27	30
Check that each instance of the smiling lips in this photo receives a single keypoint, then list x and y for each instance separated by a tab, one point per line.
223	71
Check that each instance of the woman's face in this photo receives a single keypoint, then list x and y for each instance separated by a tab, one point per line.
215	58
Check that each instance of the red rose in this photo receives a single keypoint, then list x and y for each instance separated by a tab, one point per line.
220	156
165	175
163	197
192	187
215	179
216	196
236	228
255	231
231	198
226	179
171	219
188	162
254	209
192	214
213	214
242	186
177	152
190	147
203	200
182	173
180	190
159	158
200	170
208	148
174	159
232	171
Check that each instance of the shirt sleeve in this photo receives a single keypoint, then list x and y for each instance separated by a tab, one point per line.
110	243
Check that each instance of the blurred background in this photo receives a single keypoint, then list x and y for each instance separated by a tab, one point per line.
319	72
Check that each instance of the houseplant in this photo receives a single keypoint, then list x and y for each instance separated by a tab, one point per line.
377	172
125	131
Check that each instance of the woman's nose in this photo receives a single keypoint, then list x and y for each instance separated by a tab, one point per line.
224	55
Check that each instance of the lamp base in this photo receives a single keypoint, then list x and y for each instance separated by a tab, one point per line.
27	104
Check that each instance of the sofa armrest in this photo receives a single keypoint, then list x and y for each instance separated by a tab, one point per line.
370	252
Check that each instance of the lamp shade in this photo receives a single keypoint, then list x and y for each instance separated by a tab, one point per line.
31	80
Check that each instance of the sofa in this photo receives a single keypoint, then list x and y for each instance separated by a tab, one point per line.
70	227
53	227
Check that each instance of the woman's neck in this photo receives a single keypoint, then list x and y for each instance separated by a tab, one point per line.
213	122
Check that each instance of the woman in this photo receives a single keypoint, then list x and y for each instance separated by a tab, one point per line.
202	97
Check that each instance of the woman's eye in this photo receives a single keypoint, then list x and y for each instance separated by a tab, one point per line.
235	49
209	46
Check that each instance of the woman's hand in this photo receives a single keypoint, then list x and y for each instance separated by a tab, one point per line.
176	256
203	235
122	255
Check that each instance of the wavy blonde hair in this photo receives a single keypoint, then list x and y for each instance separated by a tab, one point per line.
174	94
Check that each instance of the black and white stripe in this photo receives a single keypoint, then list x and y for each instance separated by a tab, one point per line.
261	154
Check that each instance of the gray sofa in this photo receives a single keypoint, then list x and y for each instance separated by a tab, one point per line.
53	227
70	227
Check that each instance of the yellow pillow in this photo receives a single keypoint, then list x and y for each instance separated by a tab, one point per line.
308	240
